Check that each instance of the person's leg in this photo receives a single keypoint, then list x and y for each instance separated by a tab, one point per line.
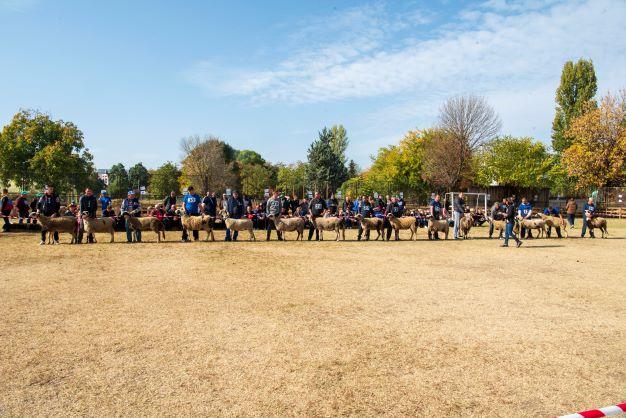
457	224
196	235
235	235
228	237
507	233
558	232
56	237
490	230
129	234
43	235
138	236
311	228
570	218
185	235
360	232
584	230
268	229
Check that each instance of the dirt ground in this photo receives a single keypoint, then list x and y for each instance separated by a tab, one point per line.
312	328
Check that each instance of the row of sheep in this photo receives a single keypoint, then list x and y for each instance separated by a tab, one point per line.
68	224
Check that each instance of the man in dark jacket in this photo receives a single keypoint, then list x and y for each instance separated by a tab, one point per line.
458	210
236	211
5	209
169	201
209	204
366	211
49	205
392	208
588	208
510	223
317	207
295	202
132	207
87	207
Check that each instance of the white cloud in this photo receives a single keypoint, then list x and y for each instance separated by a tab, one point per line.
498	49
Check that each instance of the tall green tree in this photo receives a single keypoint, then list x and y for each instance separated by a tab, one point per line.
255	178
353	169
292	178
165	180
247	156
510	161
208	164
118	180
138	175
339	142
325	170
574	96
36	150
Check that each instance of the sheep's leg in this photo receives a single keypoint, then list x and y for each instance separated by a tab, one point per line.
112	236
252	237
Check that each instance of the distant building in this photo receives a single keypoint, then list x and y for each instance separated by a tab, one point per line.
103	174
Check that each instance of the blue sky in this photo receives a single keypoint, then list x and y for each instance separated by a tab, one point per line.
137	76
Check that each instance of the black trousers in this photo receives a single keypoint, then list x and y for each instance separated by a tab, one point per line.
268	227
44	235
194	233
367	233
313	228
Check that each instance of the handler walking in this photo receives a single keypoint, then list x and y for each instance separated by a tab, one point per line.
510	223
589	208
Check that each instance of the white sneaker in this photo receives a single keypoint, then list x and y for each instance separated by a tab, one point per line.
56	242
42	242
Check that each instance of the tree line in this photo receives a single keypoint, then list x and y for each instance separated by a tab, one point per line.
464	147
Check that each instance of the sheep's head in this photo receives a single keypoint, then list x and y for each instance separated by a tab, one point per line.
34	215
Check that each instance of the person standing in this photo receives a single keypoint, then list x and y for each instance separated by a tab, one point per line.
366	211
274	208
132	207
392	208
495	215
49	205
589	208
317	207
21	204
105	201
209	204
459	209
571	207
87	208
6	208
333	205
235	210
191	206
525	211
437	212
169	201
510	223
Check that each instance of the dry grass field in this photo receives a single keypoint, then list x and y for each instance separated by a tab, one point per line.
314	328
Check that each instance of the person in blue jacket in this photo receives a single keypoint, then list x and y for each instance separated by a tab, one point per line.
589	208
525	211
191	204
132	207
105	200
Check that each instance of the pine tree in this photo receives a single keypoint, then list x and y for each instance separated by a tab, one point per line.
339	142
353	169
573	97
325	170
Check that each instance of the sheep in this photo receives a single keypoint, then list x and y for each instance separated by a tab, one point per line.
435	225
329	223
58	224
403	222
198	223
555	222
288	225
467	222
148	223
244	224
593	223
498	224
538	224
372	224
103	225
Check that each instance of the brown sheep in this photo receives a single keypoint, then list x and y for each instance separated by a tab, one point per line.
329	223
538	224
147	223
467	222
372	224
289	225
58	224
198	223
498	225
104	225
555	222
438	225
597	222
403	222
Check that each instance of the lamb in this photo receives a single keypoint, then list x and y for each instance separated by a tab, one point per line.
58	224
329	223
198	223
372	224
440	225
104	225
538	224
403	222
288	225
467	222
599	222
498	224
239	224
148	223
555	222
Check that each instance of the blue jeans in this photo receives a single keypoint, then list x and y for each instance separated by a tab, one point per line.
457	224
509	233
129	233
570	218
584	231
228	238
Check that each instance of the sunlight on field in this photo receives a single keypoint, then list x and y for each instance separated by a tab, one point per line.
317	328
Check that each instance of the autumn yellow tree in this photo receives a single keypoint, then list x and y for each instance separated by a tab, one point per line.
597	156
